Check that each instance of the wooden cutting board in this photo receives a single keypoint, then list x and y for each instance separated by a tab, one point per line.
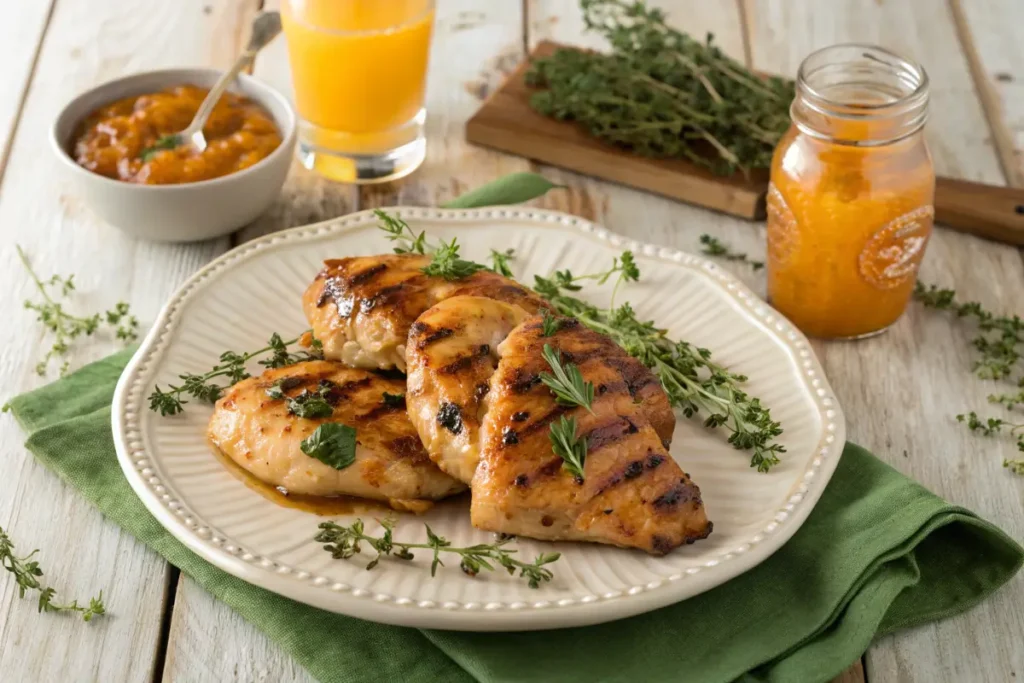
508	123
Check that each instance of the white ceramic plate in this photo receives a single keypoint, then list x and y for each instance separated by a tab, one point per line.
237	301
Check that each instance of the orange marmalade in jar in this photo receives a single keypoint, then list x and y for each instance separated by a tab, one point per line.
850	199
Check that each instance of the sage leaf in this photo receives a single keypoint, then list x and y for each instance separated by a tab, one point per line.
514	188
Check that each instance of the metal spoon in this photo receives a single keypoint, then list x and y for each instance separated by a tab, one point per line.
265	28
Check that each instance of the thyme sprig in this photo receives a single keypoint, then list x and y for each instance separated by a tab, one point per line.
712	246
661	93
66	327
991	426
693	381
343	542
500	260
447	263
27	572
170	401
1000	342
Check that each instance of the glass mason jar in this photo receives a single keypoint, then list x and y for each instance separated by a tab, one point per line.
850	198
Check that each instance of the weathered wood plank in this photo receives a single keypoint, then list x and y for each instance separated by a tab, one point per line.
902	390
86	43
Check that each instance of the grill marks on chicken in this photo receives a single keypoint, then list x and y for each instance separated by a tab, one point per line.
362	308
263	437
633	493
451	354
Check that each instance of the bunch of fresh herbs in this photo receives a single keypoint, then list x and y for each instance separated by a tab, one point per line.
662	93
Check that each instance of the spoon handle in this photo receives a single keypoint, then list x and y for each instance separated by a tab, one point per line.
206	108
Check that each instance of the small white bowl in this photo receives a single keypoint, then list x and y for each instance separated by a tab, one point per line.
188	211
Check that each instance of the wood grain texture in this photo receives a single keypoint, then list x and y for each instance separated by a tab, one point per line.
86	43
21	35
901	390
989	34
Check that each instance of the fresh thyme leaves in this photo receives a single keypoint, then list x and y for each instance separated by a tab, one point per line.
343	542
692	380
993	425
712	246
66	327
549	323
399	231
315	404
500	259
332	444
566	445
393	400
1011	401
1000	342
26	573
567	382
162	143
448	265
280	356
661	93
169	401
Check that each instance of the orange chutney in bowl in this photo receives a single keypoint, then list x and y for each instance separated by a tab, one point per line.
118	140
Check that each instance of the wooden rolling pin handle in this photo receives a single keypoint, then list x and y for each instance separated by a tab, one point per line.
983	210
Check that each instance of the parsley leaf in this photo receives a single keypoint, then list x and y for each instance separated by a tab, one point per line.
332	444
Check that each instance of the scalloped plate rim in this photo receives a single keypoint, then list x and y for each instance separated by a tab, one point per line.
474	616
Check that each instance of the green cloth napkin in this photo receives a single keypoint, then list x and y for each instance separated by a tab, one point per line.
878	553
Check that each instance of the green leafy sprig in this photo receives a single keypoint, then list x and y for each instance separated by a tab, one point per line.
693	381
162	143
1000	339
572	449
449	265
500	259
712	246
27	572
661	93
566	381
66	327
343	542
991	426
170	401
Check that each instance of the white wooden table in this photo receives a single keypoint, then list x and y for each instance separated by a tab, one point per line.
162	626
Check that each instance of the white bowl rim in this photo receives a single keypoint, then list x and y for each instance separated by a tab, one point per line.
270	92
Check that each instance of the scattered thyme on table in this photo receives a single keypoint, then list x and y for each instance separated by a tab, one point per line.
26	573
343	542
693	381
66	327
712	246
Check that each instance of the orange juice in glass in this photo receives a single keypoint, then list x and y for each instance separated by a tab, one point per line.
359	69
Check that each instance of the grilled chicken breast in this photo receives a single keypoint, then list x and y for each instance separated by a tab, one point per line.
451	353
633	493
261	435
361	308
476	399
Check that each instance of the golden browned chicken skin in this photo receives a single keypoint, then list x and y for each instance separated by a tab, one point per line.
477	401
261	435
361	307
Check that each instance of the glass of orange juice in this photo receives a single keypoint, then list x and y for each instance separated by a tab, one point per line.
359	69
